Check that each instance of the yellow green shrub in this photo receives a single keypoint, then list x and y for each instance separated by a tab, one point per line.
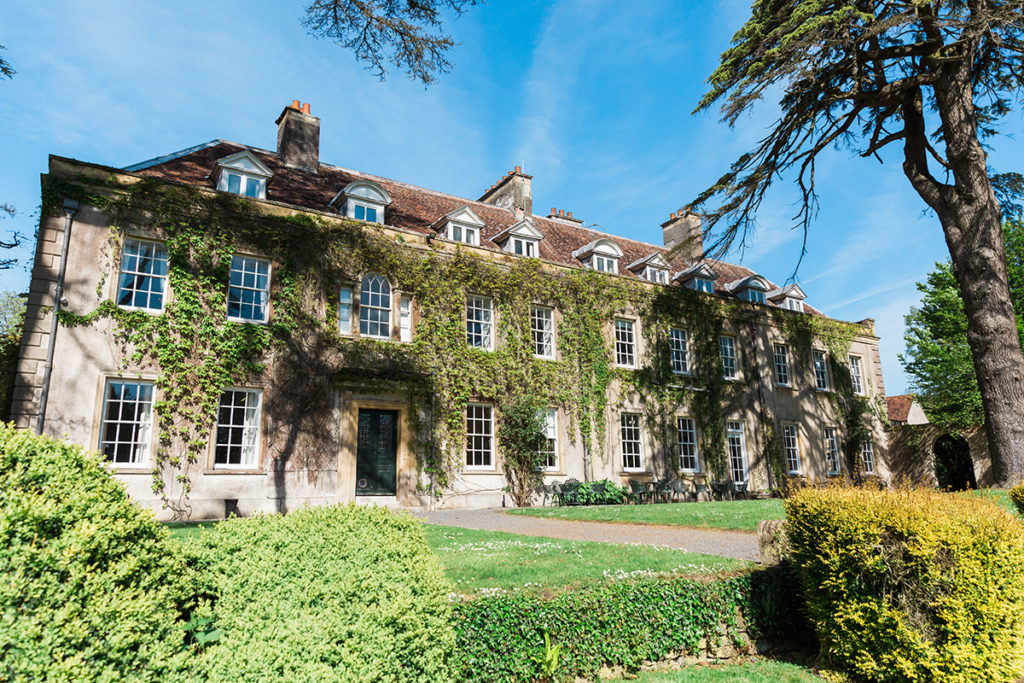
1017	496
911	585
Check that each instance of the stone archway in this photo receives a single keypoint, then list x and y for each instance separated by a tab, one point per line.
954	468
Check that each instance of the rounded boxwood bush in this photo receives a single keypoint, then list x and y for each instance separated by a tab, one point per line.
911	585
92	587
347	593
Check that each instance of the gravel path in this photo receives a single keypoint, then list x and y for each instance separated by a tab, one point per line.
736	544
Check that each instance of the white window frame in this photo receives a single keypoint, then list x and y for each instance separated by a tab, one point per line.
159	257
625	343
679	350
464	233
247	288
736	443
244	180
793	304
867	456
702	284
604	264
346	307
821	376
783	377
542	331
550	452
249	449
522	246
140	426
477	415
730	359
658	275
405	318
630	426
686	440
856	378
365	307
480	312
791	448
832	465
754	295
357	206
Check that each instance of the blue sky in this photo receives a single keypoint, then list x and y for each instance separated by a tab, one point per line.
592	97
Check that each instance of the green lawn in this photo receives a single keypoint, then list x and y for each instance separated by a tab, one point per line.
481	560
754	671
741	515
998	496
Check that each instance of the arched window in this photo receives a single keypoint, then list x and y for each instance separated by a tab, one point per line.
375	307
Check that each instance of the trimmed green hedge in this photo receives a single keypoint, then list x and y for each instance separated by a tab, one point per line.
912	585
501	637
330	593
93	589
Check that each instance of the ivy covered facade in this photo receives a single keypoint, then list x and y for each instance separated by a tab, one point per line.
244	330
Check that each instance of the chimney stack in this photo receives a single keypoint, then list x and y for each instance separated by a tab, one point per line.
512	192
298	137
683	231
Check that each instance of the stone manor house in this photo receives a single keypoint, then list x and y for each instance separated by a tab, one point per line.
80	382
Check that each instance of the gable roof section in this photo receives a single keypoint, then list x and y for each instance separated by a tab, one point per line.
417	209
898	407
246	162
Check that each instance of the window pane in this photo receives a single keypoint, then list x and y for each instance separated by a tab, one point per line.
625	355
831	450
542	331
737	451
479	436
549	448
371	215
249	289
729	366
127	422
679	348
791	447
782	364
238	429
687	431
375	307
478	322
632	449
234	183
820	371
143	275
252	187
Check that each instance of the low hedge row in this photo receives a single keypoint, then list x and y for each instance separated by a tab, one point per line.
911	585
500	638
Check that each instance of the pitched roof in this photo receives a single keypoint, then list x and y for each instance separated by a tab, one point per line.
898	407
414	208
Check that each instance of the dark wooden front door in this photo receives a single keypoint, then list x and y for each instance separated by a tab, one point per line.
377	452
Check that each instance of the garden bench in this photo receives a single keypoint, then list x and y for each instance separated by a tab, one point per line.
721	489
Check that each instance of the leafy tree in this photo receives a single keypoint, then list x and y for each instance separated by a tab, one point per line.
521	437
12	318
862	74
6	70
407	33
938	357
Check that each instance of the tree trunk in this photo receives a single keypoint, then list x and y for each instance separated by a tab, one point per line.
972	222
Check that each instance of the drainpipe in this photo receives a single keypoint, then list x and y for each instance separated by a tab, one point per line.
70	209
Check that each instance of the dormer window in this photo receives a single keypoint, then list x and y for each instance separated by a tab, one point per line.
601	255
659	275
521	238
702	285
243	174
461	225
653	268
604	264
362	200
700	277
751	288
790	297
754	296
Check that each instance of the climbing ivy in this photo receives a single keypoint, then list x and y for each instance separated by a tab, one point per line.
302	360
